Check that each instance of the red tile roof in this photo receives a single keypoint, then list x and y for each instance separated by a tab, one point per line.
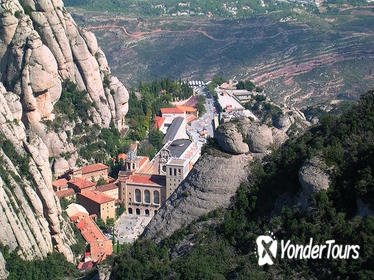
93	168
65	193
187	109
142	161
81	183
97	197
85	266
133	146
155	180
122	156
225	86
191	118
100	246
107	187
171	111
60	183
159	122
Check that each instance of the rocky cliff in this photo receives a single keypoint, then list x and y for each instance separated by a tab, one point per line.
41	48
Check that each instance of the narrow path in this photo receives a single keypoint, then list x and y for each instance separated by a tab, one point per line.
140	34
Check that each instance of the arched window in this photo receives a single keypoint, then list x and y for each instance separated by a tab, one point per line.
146	212
147	196
138	195
137	211
130	211
156	197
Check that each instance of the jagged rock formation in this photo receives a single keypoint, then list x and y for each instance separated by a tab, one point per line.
210	185
40	48
44	47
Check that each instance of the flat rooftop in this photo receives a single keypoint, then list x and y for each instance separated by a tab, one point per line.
178	147
227	101
174	161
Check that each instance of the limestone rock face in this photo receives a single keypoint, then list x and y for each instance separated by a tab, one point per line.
38	52
3	272
41	49
210	185
230	139
313	176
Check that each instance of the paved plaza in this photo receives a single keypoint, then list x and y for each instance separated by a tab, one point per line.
129	227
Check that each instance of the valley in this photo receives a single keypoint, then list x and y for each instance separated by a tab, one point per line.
298	57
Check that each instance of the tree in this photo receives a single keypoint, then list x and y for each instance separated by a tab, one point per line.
146	149
101	182
155	138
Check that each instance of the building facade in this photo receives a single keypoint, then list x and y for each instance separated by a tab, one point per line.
143	194
176	171
92	172
98	203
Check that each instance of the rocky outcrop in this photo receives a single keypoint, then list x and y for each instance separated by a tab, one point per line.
40	48
260	138
30	213
230	139
210	185
313	176
282	121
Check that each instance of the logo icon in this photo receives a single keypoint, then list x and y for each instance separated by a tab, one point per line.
266	249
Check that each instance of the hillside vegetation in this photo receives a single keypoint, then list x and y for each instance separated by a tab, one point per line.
224	242
296	55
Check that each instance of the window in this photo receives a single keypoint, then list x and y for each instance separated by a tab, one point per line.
156	197
146	212
170	171
137	211
175	172
147	196
138	195
179	171
130	211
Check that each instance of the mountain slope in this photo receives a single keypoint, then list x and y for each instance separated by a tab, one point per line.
297	56
43	55
319	185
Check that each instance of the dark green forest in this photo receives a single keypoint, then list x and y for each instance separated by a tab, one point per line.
54	266
225	248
